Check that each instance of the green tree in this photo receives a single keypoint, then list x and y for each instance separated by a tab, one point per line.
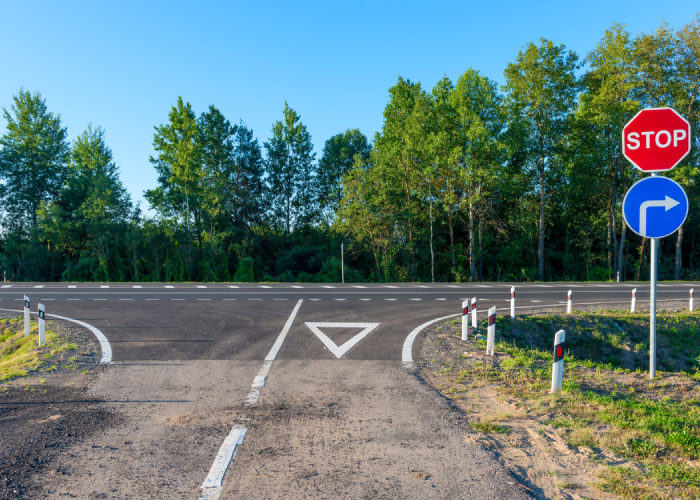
338	157
33	159
290	173
179	164
541	89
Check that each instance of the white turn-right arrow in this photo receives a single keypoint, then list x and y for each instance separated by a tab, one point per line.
668	204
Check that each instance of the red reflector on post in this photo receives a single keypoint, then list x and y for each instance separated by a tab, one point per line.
559	351
465	311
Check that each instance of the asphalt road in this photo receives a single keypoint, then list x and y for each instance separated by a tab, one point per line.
241	322
334	412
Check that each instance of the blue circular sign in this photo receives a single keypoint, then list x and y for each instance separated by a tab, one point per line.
655	207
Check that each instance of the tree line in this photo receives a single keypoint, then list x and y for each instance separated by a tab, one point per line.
470	180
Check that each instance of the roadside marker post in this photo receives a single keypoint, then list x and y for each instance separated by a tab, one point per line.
655	140
691	300
634	299
568	304
26	316
491	339
342	262
512	302
558	362
618	276
42	325
474	313
465	319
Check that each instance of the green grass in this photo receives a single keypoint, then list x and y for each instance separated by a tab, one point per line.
19	355
607	401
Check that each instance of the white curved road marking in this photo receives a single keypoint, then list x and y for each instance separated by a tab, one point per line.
407	355
105	347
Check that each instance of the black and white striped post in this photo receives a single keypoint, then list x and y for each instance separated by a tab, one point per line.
558	363
491	338
474	313
512	302
634	300
26	316
465	319
568	304
42	325
691	299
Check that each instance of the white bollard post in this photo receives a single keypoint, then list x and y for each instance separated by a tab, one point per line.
465	320
568	304
26	316
474	313
691	300
4	276
618	276
558	363
491	338
634	300
512	302
42	325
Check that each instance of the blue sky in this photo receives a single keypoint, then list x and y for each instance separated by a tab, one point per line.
122	65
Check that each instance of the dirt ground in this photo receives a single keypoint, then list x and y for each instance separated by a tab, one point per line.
534	451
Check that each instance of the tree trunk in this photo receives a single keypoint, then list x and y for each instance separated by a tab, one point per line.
472	262
679	255
608	246
452	244
481	254
641	258
621	254
432	253
540	242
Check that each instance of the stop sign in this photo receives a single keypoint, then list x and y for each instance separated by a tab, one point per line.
656	139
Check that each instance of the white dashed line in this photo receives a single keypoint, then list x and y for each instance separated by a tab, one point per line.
422	286
263	286
138	286
297	286
197	299
389	299
325	286
224	299
440	299
200	286
338	299
358	286
99	299
104	286
531	300
75	299
126	299
168	286
254	299
152	299
232	286
389	286
314	299
415	299
365	299
69	286
39	286
177	299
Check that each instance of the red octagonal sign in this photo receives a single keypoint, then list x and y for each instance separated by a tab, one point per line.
656	139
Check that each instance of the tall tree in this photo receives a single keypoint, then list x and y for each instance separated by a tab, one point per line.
180	170
93	211
478	110
338	157
290	172
541	87
607	104
33	159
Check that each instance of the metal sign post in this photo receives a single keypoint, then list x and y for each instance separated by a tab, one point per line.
655	140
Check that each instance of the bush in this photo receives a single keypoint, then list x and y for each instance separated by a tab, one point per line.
244	273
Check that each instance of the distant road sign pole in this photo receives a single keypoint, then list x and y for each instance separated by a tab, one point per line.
655	140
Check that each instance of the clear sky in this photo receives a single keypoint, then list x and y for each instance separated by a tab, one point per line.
123	64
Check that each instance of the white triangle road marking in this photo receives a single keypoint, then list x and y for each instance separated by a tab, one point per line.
339	351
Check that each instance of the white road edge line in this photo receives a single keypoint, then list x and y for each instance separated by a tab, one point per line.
407	355
106	348
213	484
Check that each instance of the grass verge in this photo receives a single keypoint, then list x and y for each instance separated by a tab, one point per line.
607	401
20	355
